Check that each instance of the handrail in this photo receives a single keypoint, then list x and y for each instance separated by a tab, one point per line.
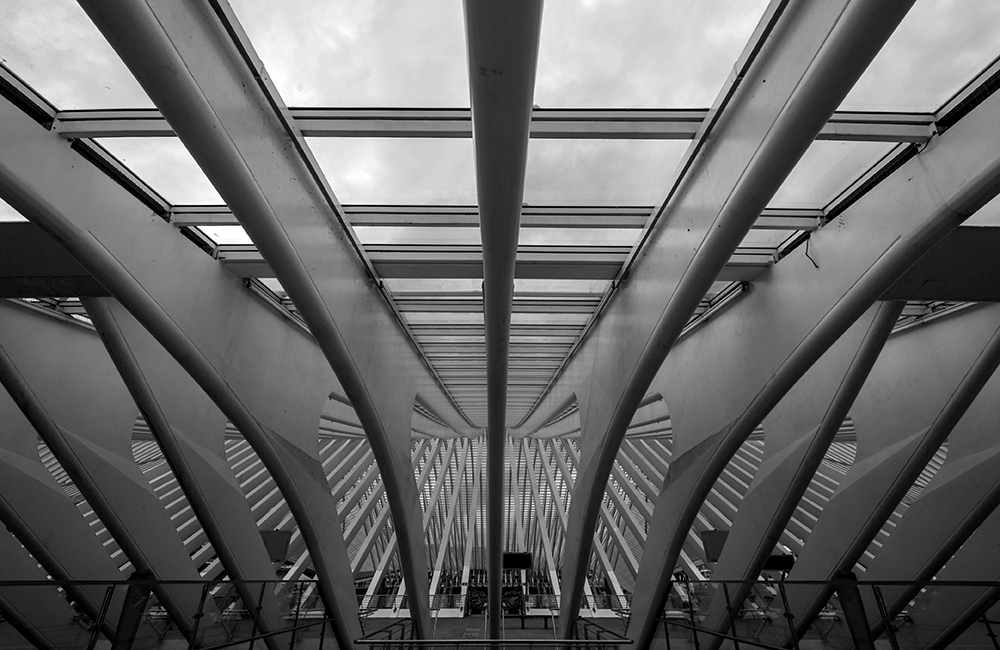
458	643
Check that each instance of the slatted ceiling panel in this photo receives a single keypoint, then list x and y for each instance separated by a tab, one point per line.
334	452
822	486
927	473
102	533
738	474
884	533
58	473
798	528
239	453
729	489
652	454
636	476
641	465
719	512
840	456
749	458
810	507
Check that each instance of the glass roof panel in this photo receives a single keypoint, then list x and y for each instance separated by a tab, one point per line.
57	50
600	172
524	285
579	236
825	170
423	171
227	235
275	286
935	51
418	235
769	238
679	54
166	166
472	235
402	285
717	286
361	53
437	318
528	318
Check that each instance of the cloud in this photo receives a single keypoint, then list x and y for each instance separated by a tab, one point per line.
57	50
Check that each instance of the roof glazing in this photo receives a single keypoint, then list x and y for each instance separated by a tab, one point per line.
587	199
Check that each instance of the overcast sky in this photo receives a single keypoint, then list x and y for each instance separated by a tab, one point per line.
594	53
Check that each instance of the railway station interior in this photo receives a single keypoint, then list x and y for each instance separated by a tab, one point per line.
597	324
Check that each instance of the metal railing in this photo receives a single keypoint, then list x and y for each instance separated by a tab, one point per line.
857	613
761	614
131	609
399	635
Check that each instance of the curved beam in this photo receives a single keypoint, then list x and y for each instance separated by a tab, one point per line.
786	473
232	121
941	615
761	133
799	309
34	507
502	39
63	381
96	210
40	615
879	479
678	506
189	429
962	495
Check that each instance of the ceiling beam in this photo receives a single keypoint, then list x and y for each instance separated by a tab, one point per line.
219	100
551	263
502	37
783	92
458	216
548	123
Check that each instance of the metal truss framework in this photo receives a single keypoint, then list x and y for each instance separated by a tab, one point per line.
700	382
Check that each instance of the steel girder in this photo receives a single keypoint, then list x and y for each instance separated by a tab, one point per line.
900	430
791	318
65	384
793	457
604	124
808	56
36	509
189	429
467	216
265	173
267	377
502	39
960	501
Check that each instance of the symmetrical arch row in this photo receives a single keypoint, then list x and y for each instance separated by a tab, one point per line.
936	359
723	379
655	427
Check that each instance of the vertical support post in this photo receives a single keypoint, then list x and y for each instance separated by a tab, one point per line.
694	623
256	618
96	632
791	618
886	621
197	617
666	631
139	587
298	611
732	618
990	633
854	611
322	627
